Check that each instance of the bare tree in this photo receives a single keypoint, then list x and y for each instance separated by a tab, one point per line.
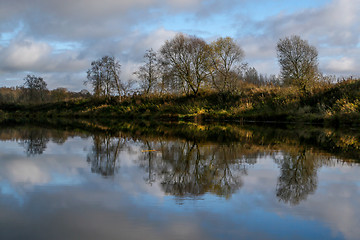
298	61
104	76
226	63
186	59
126	87
252	76
115	69
59	94
148	73
35	88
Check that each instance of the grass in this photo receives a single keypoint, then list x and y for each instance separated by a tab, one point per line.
334	104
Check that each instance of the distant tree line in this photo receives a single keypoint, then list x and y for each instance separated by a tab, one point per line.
34	90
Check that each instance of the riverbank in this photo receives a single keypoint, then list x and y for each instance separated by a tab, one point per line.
342	142
333	104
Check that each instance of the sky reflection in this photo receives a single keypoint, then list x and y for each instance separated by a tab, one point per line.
67	192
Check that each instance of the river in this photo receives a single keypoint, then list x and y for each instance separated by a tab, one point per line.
179	182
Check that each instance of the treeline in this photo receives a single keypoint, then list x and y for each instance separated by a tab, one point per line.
34	91
183	65
186	65
189	65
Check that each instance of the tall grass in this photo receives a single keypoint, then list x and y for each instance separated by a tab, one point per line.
326	103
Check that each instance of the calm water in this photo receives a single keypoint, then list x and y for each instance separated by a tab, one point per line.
258	185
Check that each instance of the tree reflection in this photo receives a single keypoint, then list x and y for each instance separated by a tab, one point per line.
191	160
298	177
150	160
104	154
191	168
34	141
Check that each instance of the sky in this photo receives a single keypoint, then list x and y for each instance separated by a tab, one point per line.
57	40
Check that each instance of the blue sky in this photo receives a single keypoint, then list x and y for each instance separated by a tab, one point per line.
58	39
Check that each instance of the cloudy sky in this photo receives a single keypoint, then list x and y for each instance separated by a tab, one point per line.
58	39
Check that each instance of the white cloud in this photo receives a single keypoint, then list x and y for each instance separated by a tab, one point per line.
125	29
333	29
335	23
24	54
31	55
345	64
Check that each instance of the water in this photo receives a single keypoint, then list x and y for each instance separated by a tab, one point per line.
179	182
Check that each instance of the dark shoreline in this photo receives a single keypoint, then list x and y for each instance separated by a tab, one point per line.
341	142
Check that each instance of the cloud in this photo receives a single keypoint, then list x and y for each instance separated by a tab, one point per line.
332	28
344	64
67	68
335	23
30	55
137	43
27	172
125	29
24	54
83	19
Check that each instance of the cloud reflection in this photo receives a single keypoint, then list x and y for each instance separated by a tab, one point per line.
115	187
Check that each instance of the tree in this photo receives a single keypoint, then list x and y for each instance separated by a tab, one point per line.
298	61
35	88
84	93
186	61
59	94
104	76
252	76
148	74
126	87
226	62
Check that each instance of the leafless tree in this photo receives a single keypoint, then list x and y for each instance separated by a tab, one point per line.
58	94
104	76
148	73
186	59
226	60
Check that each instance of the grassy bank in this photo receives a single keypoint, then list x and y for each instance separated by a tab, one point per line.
332	104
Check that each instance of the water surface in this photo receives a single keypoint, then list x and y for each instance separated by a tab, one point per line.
187	182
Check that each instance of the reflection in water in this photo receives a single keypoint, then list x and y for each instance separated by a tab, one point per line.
194	166
196	169
104	154
34	141
189	168
58	186
150	161
298	177
298	174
